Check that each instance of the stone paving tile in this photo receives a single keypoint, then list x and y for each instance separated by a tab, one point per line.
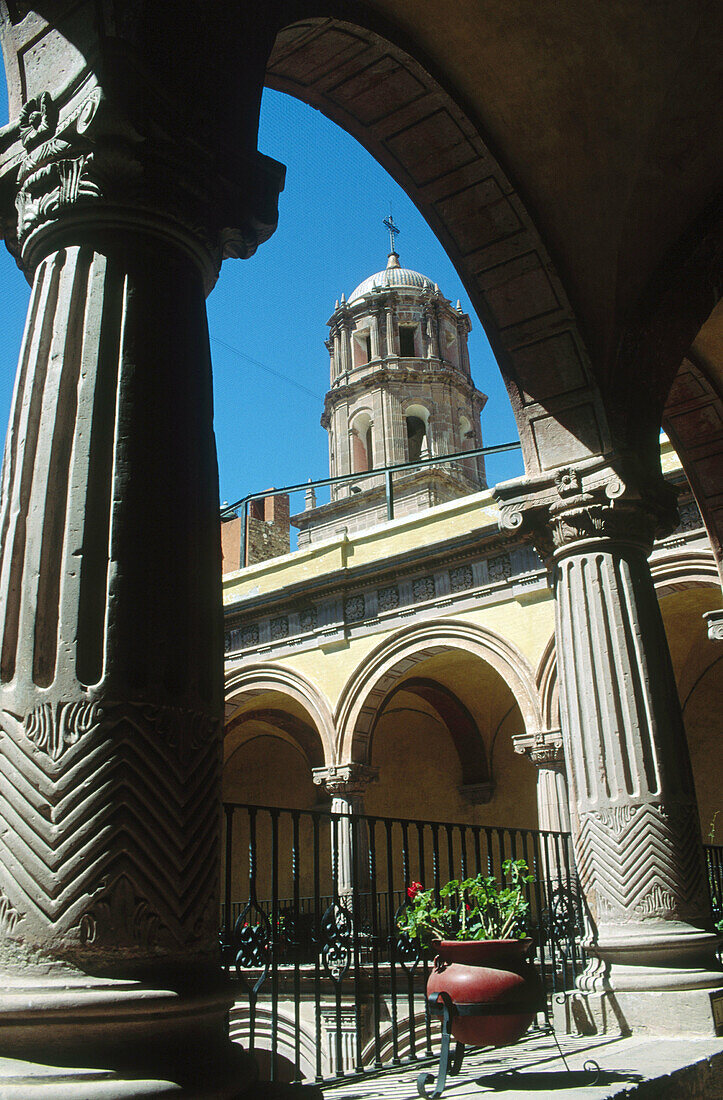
534	1069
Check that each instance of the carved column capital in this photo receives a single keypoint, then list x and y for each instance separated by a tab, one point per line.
714	622
76	161
345	779
544	749
596	499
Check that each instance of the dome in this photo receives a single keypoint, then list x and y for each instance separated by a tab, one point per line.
393	275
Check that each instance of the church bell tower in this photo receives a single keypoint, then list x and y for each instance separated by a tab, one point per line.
400	391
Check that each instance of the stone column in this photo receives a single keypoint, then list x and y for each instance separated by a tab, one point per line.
346	784
374	334
392	344
345	340
635	820
338	366
545	752
110	611
332	359
553	804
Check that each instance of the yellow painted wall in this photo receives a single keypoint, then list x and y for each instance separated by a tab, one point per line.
698	666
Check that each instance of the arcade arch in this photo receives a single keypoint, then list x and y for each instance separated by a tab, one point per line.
433	710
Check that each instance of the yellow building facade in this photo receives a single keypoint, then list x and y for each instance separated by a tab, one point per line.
321	642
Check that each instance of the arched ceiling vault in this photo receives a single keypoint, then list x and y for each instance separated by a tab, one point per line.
301	733
454	715
605	117
383	96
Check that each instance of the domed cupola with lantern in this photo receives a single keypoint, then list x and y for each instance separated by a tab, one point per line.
400	391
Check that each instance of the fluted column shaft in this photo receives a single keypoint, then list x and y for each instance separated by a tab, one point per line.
349	843
634	817
346	784
553	809
110	617
638	835
109	545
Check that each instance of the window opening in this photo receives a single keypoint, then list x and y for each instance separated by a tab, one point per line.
406	341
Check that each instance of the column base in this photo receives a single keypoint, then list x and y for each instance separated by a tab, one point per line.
680	1012
652	956
84	1037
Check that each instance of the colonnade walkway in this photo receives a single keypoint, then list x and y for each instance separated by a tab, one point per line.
660	1068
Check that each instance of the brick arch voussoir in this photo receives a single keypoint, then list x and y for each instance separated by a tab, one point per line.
253	680
370	684
416	130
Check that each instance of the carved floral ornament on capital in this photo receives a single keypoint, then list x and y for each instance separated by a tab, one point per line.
56	168
345	779
544	750
575	504
82	155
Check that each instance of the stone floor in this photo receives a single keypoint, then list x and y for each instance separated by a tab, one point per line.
651	1069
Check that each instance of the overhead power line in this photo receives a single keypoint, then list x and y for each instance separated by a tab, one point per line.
269	370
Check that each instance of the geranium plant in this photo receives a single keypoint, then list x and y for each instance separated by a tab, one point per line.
479	908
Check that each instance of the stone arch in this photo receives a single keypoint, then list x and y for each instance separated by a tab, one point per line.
369	686
277	1030
548	687
413	126
289	727
258	679
693	421
672	573
361	440
684	569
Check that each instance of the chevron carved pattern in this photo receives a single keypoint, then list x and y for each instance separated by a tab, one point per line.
111	839
642	861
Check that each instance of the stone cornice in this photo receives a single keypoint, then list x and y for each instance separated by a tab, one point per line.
714	623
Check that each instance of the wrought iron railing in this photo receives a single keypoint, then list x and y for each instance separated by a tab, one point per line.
458	460
325	982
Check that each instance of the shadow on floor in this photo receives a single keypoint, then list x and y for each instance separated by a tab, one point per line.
516	1080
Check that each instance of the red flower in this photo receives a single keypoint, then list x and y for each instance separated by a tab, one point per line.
413	890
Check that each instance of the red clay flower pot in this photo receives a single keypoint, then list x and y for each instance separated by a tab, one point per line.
495	975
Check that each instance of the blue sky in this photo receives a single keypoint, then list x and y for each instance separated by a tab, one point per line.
267	315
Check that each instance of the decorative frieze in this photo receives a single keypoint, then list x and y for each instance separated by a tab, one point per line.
279	628
461	578
499	567
423	589
690	517
354	609
308	619
358	607
388	597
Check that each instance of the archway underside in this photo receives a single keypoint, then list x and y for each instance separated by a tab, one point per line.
405	119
